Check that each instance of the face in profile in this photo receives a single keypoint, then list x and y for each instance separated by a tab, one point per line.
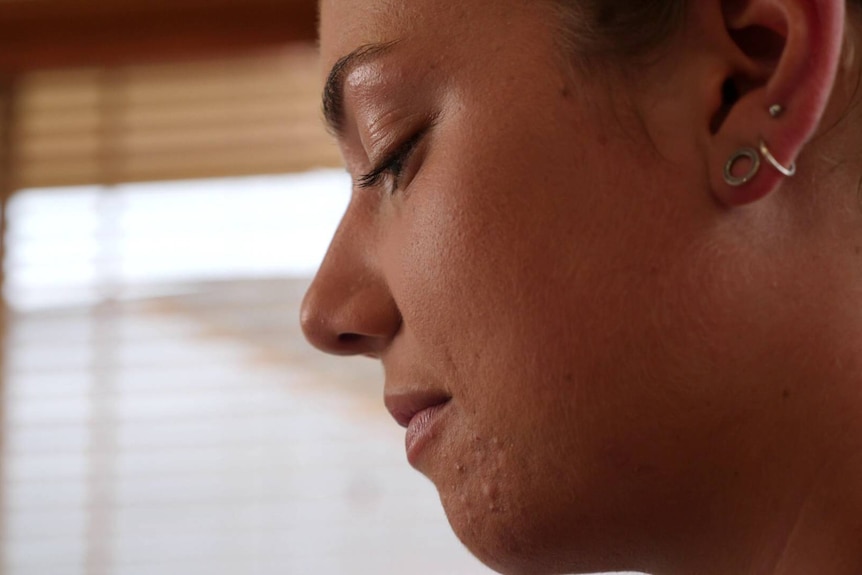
515	256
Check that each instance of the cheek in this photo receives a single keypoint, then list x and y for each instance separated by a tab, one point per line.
518	275
548	301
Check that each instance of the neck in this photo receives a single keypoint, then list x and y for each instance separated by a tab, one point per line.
788	500
798	508
825	537
804	518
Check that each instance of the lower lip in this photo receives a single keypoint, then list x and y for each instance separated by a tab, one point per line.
421	430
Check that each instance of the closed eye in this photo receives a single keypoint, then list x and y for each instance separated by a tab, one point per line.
393	165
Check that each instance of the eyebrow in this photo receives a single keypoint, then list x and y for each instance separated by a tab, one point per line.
333	92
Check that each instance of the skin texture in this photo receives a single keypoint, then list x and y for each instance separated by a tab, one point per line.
648	369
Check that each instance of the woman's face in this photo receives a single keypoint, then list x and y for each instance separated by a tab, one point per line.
535	260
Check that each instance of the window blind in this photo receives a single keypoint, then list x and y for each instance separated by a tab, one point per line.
233	117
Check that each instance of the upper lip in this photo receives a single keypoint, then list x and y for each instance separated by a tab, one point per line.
404	406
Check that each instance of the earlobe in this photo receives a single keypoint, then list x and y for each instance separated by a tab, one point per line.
783	56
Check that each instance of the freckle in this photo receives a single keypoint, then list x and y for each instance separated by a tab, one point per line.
786	394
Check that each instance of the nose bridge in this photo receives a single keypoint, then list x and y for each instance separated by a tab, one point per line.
349	308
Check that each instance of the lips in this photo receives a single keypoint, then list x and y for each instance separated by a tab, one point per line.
404	407
420	413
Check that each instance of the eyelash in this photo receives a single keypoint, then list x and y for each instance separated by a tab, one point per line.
393	165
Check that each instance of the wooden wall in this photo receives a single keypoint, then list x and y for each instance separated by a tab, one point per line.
74	33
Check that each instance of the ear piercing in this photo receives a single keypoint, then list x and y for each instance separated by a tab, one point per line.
789	171
743	153
753	157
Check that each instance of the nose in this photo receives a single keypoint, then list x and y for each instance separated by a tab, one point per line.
349	309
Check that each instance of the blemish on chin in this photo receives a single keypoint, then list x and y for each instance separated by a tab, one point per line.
492	494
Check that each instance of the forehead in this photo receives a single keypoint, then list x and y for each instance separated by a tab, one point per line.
433	24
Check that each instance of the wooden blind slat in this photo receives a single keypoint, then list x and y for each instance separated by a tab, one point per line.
192	120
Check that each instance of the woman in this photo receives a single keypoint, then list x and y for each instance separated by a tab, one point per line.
609	253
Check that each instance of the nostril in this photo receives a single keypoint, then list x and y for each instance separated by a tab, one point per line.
349	338
349	343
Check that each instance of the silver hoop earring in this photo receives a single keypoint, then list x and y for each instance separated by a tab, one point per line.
754	159
789	171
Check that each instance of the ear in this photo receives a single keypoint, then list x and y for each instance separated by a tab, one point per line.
781	53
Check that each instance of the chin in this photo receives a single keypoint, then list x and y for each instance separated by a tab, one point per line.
507	539
519	539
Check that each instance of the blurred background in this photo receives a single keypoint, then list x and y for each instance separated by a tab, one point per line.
167	191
